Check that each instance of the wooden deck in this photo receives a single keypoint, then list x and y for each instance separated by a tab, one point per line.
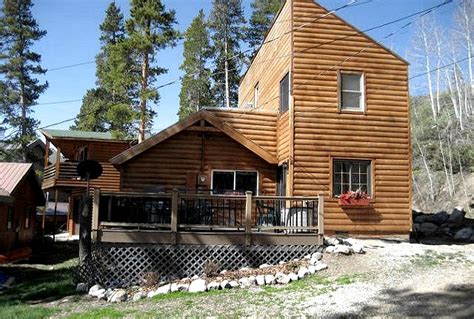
198	219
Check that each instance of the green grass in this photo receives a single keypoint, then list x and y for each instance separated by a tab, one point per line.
34	284
431	259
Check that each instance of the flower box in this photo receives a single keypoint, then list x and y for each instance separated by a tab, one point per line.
354	202
354	199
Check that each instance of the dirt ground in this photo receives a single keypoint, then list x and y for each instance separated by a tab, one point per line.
394	279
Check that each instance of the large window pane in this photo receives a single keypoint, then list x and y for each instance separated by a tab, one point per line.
222	182
351	175
285	93
246	181
350	82
351	100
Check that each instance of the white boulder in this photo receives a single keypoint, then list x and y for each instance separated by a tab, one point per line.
96	290
317	255
81	287
260	280
320	266
197	285
293	276
302	272
269	279
342	249
213	285
119	295
330	249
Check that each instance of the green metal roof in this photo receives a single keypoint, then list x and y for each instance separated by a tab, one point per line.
79	134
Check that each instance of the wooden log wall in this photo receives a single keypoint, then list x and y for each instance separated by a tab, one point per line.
259	126
169	163
270	64
380	134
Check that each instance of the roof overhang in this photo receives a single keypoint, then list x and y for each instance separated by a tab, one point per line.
184	124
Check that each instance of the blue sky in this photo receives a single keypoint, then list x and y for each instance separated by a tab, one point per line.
73	37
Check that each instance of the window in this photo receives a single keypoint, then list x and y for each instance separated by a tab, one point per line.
234	181
256	94
83	153
28	214
351	175
10	213
351	87
285	93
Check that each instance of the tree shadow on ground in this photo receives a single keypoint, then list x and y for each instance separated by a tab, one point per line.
52	253
34	285
456	301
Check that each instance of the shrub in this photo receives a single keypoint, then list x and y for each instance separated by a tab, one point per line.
210	268
149	279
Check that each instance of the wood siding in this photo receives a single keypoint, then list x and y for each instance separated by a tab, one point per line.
380	134
257	125
26	198
270	65
169	163
283	138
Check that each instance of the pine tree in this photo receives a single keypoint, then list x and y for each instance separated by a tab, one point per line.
150	29
195	84
226	22
263	12
112	31
19	64
108	107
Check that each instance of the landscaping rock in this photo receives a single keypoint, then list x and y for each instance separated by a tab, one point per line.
163	289
260	280
139	295
264	266
317	256
421	218
96	290
293	276
464	234
311	269
104	295
320	266
281	278
183	287
313	261
81	287
252	279
213	285
330	249
358	248
119	295
307	257
456	219
197	285
233	284
438	218
428	229
246	268
245	282
269	279
342	249
195	277
225	284
174	287
302	272
332	241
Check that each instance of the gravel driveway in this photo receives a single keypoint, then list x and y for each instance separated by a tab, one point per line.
392	279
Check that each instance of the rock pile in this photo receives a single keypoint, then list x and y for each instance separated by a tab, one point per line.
343	246
443	225
281	274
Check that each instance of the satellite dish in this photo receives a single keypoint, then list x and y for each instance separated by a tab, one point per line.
89	169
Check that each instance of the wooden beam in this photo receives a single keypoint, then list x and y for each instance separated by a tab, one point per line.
202	129
95	213
46	153
174	215
321	214
248	218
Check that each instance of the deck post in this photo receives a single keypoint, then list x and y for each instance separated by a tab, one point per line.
95	213
248	218
58	162
320	214
174	216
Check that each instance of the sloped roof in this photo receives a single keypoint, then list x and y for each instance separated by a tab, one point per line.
11	174
71	134
182	125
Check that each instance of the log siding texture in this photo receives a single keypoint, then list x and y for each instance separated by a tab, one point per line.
319	132
169	163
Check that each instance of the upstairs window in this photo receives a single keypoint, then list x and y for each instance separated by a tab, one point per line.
256	96
226	182
10	213
285	93
351	175
351	91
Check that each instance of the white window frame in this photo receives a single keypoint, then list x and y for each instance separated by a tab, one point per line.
361	108
256	95
370	174
235	179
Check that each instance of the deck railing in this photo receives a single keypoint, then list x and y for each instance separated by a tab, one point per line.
62	170
184	212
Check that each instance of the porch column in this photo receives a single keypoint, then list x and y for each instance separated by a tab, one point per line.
46	153
95	213
320	214
248	218
174	216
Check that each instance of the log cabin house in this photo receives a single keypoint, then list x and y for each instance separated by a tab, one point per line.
322	110
20	194
60	178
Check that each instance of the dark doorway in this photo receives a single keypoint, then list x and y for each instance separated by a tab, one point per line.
282	173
